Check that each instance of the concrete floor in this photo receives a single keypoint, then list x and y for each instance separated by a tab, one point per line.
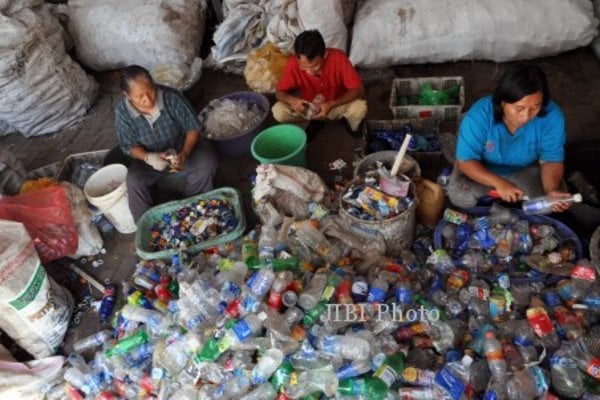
574	80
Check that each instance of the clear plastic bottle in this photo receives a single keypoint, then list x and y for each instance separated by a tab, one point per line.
452	380
265	391
543	205
565	376
95	340
312	381
293	315
583	277
266	366
266	244
242	330
230	281
315	240
353	369
313	291
527	384
378	291
542	325
494	357
347	347
155	321
586	362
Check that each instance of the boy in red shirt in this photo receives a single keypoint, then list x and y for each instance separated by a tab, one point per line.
324	77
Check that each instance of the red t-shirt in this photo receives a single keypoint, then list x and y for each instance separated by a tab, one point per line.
337	76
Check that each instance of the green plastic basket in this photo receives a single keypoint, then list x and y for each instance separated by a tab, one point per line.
142	239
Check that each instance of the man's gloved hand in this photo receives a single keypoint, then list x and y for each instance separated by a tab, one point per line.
156	161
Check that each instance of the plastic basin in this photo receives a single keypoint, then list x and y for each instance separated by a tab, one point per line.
281	144
239	144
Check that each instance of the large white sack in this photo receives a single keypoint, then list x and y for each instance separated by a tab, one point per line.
34	310
27	380
41	89
328	18
389	32
596	42
164	36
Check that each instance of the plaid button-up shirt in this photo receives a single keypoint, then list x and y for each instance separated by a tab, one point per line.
168	131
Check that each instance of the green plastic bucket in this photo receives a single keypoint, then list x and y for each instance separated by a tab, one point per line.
280	144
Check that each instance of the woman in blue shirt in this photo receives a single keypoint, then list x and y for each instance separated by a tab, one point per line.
512	141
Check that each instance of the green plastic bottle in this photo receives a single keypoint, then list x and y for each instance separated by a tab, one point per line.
370	388
250	253
314	313
430	306
392	366
210	351
282	375
286	264
333	282
128	343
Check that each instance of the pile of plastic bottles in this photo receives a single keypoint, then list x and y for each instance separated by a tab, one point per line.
193	224
422	140
227	324
366	200
226	118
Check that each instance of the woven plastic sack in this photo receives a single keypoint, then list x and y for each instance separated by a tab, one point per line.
164	36
47	216
34	310
41	89
264	68
392	32
328	18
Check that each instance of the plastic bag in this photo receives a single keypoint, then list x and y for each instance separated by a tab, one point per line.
300	181
264	68
47	216
89	240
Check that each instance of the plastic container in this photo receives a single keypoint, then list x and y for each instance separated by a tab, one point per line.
420	126
77	168
280	144
410	167
239	145
142	245
411	87
106	189
431	202
397	232
564	232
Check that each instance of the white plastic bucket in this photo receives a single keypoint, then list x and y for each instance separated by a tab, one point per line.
107	190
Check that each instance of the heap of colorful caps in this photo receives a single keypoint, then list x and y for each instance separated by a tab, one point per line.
192	224
422	326
367	201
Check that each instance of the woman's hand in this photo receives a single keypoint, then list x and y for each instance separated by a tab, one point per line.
509	192
559	207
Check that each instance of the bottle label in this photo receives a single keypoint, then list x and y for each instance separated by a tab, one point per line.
494	355
541	383
584	273
329	345
593	368
450	383
479	292
592	301
376	295
539	321
536	206
563	362
404	295
328	293
387	374
346	371
418	377
242	330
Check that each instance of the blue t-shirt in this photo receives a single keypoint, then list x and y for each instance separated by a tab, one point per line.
480	138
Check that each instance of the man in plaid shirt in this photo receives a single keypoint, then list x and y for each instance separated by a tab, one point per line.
151	119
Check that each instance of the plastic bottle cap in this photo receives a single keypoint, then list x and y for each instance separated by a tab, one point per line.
467	360
489	335
577	198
